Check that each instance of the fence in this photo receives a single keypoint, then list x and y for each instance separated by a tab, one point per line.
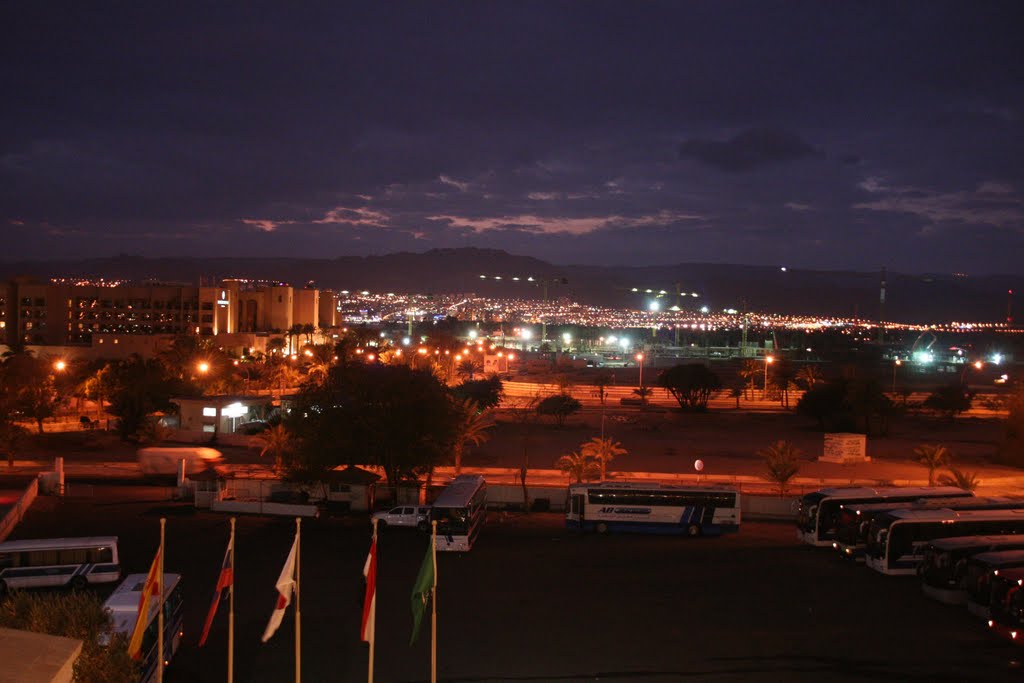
17	513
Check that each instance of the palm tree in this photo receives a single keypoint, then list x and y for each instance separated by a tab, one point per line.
643	393
932	456
468	368
968	481
749	371
809	375
578	466
603	451
470	429
309	329
602	382
276	345
737	393
276	441
319	365
782	463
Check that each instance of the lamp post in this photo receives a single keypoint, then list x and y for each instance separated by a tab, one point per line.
895	365
640	358
768	360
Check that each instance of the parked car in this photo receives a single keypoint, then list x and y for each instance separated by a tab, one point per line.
413	516
251	428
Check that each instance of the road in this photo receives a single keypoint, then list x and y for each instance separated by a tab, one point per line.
535	602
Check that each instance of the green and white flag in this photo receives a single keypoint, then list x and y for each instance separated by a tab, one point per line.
422	590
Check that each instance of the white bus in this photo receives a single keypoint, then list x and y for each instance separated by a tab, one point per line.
652	508
981	569
897	539
818	514
72	562
855	518
947	570
460	512
123	605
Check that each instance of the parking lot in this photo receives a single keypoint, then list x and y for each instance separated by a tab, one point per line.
535	602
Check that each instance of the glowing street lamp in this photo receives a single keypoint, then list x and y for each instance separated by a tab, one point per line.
203	367
640	359
768	360
59	366
896	363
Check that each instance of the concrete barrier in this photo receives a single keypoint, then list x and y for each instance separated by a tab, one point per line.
259	507
17	513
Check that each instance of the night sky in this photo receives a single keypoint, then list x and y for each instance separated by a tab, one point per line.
820	134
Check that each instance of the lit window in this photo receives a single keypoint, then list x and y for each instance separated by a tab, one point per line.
209	428
209	412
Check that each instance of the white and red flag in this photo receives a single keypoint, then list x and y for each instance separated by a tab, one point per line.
370	601
224	581
285	587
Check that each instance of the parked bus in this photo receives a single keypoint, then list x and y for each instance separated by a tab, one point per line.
123	605
1006	600
818	513
855	518
652	508
945	568
157	461
980	571
898	538
460	512
72	562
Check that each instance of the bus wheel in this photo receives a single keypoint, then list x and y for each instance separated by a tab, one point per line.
693	530
602	528
78	583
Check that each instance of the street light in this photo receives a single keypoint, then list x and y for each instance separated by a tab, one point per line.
204	367
640	358
768	360
59	366
895	365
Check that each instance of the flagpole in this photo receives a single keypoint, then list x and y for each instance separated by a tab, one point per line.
433	602
231	610
373	613
160	606
298	610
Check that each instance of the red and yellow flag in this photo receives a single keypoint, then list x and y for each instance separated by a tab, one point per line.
149	589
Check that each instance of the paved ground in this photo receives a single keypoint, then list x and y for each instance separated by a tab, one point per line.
534	602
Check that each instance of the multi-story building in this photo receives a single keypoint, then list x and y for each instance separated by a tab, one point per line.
69	314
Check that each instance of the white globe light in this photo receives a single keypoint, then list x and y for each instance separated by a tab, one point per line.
698	465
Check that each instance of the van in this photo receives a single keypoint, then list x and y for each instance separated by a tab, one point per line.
165	460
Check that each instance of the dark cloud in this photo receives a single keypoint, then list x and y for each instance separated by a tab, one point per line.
753	148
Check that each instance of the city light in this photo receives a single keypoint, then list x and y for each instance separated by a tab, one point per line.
59	366
204	367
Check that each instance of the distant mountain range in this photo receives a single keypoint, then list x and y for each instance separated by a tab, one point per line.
909	298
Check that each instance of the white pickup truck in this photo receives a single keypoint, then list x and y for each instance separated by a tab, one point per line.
413	516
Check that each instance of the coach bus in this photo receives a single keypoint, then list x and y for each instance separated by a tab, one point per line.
123	606
1006	614
855	519
946	566
460	512
818	513
981	569
49	562
897	539
652	508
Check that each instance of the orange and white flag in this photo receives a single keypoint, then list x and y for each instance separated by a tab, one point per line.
285	587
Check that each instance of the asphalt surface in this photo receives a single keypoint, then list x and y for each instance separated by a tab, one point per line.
535	602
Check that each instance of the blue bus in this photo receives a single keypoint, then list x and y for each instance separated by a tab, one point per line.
652	508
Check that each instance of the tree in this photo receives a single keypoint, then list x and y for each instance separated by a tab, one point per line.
77	614
391	416
559	407
602	381
691	384
950	400
932	456
808	376
153	431
27	388
276	345
468	368
318	364
825	403
750	371
485	393
141	388
578	466
968	481
603	451
736	393
470	429
866	400
643	393
12	436
782	463
784	376
275	441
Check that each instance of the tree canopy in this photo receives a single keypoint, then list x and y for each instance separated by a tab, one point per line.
691	384
485	393
392	416
559	407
